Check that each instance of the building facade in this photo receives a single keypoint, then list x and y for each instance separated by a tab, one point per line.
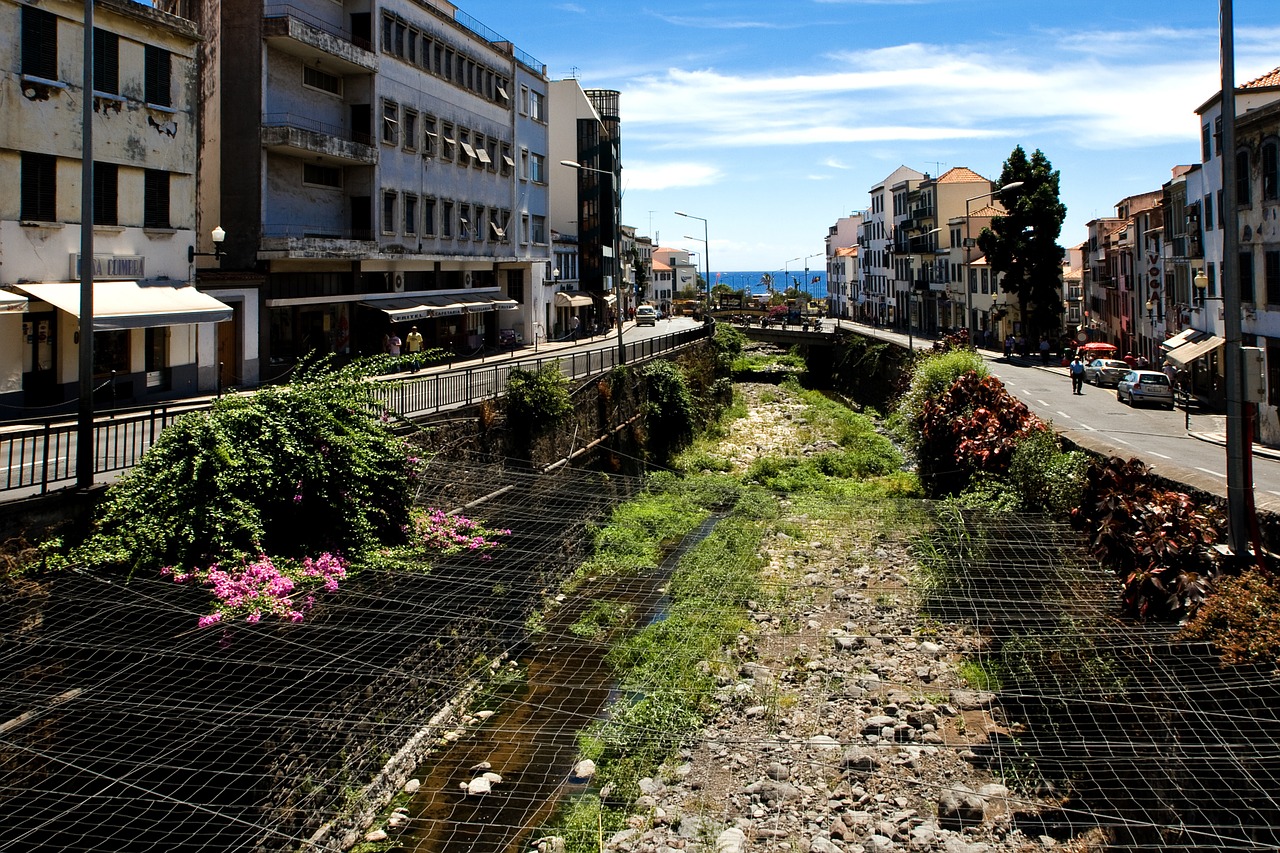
152	330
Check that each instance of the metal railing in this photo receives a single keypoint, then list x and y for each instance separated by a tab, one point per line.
40	456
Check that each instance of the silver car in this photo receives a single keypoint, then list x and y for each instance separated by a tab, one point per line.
1105	371
1145	386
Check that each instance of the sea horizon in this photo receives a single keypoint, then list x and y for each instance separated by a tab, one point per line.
752	280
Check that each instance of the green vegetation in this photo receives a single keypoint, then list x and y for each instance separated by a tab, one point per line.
538	400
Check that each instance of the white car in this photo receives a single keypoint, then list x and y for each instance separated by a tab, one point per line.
1145	386
646	315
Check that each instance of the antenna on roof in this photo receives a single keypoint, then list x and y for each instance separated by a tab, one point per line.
575	73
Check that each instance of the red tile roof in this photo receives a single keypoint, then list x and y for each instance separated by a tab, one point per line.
1271	78
960	175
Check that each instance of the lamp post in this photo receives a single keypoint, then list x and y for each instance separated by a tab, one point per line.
217	235
706	252
84	418
786	273
968	246
613	247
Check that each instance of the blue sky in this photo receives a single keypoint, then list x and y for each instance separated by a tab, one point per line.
774	119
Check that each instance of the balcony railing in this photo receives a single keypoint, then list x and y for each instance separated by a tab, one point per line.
286	10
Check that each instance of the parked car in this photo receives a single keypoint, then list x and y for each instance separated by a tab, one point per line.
646	315
1145	386
1105	371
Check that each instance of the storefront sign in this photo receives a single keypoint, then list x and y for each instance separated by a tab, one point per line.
129	267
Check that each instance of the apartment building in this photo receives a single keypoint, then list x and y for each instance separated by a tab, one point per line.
881	300
375	167
153	332
842	270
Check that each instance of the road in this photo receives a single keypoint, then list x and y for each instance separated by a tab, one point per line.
1099	422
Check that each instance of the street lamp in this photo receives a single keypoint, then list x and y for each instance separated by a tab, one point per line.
786	273
217	236
706	252
613	247
968	245
806	270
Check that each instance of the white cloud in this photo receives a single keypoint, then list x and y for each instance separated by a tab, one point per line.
833	163
641	175
572	7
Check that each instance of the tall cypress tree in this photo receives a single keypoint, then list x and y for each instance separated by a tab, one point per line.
1023	244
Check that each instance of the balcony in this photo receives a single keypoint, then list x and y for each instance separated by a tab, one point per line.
314	241
298	136
296	32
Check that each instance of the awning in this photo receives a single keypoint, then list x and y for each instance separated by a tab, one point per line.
1186	336
610	299
131	305
1188	353
480	304
405	309
573	299
12	302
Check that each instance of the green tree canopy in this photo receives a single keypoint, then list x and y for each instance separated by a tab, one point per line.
1023	244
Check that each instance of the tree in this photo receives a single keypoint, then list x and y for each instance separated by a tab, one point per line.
1023	244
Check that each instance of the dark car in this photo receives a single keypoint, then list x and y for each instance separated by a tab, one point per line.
1145	386
1105	371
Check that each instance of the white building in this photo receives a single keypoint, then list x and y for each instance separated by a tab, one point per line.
153	332
879	297
842	259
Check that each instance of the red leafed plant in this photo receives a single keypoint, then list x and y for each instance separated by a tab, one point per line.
973	427
1157	541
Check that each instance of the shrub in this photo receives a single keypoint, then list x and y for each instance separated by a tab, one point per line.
1045	478
538	400
1156	540
1241	619
669	411
973	427
931	376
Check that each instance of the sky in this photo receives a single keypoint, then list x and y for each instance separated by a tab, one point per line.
774	119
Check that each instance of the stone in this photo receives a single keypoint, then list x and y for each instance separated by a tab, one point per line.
858	761
824	845
877	724
493	778
933	650
879	844
732	840
778	771
823	742
620	838
550	844
584	770
479	786
412	786
972	700
959	807
375	835
484	715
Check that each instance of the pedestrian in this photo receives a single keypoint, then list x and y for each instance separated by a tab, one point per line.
1044	350
1076	369
1008	346
393	343
575	327
413	341
1141	363
1130	360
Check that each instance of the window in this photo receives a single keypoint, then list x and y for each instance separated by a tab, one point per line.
537	168
39	186
490	154
449	152
537	110
158	70
321	176
430	139
429	217
390	122
1273	277
106	62
446	220
479	231
1244	197
524	163
524	100
39	43
1271	170
388	23
155	199
986	280
156	348
1212	272
397	39
1208	212
1206	143
388	212
524	222
538	232
464	222
106	181
410	130
411	214
507	163
973	280
411	54
464	143
1246	277
314	78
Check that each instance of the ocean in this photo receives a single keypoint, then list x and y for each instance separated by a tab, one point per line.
752	280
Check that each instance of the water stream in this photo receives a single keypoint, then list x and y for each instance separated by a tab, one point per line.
531	741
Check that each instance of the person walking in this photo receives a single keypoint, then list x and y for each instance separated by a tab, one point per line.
575	327
1076	369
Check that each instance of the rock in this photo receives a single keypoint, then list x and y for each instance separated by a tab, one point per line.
492	778
375	835
755	711
922	837
773	793
650	786
933	650
972	700
481	767
620	838
550	844
484	715
846	644
479	786
732	840
778	771
823	845
960	807
879	844
877	724
583	770
858	761
823	742
412	786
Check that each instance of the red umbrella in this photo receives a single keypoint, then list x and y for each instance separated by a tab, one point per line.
1097	347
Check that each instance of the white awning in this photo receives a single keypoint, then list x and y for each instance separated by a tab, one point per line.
572	299
610	299
12	302
468	150
1186	336
131	305
1188	353
405	309
483	156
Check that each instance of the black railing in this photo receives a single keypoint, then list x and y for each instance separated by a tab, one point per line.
41	456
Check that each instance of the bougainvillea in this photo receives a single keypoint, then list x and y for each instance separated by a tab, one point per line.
263	587
453	534
974	426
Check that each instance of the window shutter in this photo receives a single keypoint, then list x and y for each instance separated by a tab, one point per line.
156	199
39	43
158	68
